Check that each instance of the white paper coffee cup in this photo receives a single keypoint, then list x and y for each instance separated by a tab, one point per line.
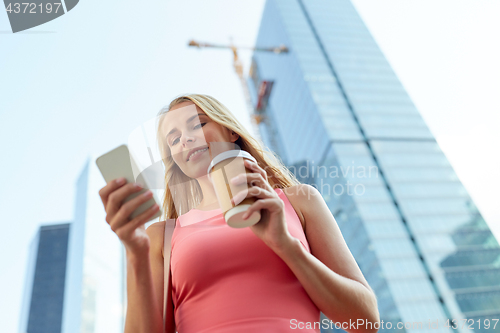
221	170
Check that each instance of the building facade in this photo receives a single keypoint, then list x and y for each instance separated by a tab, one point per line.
42	305
75	280
94	290
340	118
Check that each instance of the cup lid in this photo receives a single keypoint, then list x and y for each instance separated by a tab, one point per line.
229	154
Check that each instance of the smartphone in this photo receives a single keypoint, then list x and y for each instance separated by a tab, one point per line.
120	163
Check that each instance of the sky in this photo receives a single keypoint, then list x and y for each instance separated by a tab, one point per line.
80	84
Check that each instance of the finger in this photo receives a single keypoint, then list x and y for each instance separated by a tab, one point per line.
138	221
256	168
123	214
271	204
117	197
253	191
110	187
252	178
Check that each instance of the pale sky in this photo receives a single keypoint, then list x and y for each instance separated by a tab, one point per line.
80	84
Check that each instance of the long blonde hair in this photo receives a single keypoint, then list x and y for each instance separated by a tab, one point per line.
187	193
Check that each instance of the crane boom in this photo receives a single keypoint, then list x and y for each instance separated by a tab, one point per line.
238	67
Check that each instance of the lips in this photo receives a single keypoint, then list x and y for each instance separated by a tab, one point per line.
192	151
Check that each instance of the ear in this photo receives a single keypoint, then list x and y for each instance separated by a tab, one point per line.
234	136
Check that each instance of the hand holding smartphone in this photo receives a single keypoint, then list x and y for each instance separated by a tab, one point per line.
119	163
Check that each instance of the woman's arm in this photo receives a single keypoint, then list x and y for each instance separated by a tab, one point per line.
330	275
145	286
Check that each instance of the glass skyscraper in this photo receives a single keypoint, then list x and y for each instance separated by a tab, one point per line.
94	289
75	279
42	305
342	121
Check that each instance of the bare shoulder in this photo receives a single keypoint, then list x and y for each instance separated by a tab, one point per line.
299	196
156	234
324	235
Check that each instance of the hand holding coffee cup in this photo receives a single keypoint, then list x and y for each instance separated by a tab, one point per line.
222	169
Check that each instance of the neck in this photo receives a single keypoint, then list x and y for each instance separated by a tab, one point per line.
209	197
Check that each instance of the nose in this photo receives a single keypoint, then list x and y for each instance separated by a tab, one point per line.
185	139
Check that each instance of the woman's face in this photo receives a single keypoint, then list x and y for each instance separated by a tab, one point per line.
187	129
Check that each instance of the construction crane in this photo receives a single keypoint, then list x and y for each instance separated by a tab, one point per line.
255	118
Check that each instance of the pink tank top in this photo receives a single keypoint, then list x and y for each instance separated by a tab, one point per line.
227	280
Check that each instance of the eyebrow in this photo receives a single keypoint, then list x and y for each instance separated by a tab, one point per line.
187	121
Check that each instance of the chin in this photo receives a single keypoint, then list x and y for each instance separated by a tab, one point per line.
197	169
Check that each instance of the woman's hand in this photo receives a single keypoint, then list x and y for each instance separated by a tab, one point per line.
132	233
272	227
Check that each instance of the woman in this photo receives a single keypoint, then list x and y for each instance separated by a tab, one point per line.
274	276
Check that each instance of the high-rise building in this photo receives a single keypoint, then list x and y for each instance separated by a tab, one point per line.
75	279
341	119
42	305
94	289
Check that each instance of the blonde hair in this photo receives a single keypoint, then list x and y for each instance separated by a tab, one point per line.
187	193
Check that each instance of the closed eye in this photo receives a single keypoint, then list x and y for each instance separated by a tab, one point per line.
196	127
